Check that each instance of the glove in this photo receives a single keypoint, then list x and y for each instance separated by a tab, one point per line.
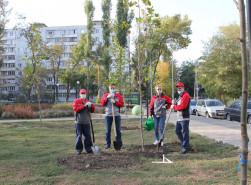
171	107
164	106
110	95
88	104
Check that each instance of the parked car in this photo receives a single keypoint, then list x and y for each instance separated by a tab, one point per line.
212	108
192	108
233	112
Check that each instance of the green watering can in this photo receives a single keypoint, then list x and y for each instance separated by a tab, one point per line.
149	124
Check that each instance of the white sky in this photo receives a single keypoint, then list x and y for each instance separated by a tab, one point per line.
206	16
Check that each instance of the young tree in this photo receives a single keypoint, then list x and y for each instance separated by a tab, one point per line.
89	11
123	22
54	54
244	134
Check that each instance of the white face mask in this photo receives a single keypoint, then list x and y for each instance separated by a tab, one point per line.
180	91
112	91
83	96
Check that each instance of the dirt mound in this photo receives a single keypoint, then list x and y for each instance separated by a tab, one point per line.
102	161
126	158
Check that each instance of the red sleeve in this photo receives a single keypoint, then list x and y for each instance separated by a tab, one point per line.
120	102
168	101
184	103
77	105
104	99
151	106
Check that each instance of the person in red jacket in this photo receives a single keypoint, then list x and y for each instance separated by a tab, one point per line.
82	108
183	117
157	108
112	101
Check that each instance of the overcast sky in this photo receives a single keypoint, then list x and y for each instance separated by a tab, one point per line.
206	16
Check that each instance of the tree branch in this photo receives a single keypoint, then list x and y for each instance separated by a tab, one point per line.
237	4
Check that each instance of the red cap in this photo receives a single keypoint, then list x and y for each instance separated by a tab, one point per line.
180	84
83	91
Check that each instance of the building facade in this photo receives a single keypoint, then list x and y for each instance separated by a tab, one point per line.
16	50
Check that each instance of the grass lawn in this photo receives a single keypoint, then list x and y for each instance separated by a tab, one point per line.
30	153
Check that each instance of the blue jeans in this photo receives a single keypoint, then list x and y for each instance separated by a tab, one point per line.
159	124
182	131
83	129
108	126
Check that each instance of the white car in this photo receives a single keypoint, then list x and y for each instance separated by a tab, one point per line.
211	108
192	108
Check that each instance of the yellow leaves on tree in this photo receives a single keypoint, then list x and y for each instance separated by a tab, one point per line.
163	77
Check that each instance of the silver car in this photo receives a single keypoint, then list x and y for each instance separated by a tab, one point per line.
210	108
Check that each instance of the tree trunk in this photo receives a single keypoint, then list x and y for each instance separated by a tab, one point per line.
140	87
244	135
67	91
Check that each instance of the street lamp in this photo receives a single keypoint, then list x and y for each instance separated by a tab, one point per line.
57	90
77	88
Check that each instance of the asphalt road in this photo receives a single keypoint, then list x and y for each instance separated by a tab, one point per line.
220	130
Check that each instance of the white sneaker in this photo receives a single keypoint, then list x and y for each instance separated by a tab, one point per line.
156	142
162	143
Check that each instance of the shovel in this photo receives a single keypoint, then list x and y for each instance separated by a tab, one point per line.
116	144
95	149
162	136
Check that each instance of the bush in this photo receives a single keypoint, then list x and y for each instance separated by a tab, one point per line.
62	106
18	111
8	115
49	113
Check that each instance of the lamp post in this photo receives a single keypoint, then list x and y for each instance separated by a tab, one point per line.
57	91
77	88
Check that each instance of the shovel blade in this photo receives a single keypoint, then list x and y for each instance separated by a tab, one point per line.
117	145
96	149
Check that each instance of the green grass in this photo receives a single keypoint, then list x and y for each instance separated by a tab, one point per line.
29	153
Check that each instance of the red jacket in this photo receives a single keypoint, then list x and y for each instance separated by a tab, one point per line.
183	103
79	104
118	97
151	105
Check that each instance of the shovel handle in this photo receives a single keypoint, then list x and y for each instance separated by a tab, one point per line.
113	120
93	138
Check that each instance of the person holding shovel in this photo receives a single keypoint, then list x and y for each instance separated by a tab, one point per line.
112	101
157	108
82	108
183	117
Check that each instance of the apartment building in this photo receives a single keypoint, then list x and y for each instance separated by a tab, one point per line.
16	50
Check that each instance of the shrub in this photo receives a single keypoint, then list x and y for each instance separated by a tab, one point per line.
8	115
19	111
62	106
49	113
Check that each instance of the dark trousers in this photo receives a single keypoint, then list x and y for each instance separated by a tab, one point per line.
182	131
108	127
83	129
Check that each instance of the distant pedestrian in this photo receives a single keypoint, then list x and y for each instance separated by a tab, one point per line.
112	101
157	108
82	108
183	117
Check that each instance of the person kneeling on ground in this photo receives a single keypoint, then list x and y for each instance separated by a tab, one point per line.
157	108
82	108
